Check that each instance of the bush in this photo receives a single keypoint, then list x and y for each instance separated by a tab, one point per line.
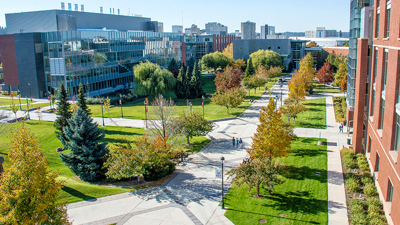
370	190
153	174
377	220
352	184
357	209
373	201
358	219
366	180
349	162
374	209
354	202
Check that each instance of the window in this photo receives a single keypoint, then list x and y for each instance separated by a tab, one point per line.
279	47
369	144
377	25
397	135
377	162
382	119
390	191
385	69
387	22
375	64
269	47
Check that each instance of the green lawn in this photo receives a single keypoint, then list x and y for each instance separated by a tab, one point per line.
136	109
302	196
8	101
23	106
314	117
320	88
75	190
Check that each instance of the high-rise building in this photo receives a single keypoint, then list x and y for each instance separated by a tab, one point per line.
216	28
193	30
177	29
271	30
321	32
248	30
264	31
373	95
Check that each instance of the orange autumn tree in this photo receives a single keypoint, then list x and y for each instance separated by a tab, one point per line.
228	79
151	158
273	136
297	87
28	190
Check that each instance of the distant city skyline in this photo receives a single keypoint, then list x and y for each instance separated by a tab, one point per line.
286	15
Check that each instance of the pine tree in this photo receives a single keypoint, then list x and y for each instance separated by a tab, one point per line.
249	69
179	87
87	155
196	90
173	67
190	64
63	112
82	101
29	190
186	84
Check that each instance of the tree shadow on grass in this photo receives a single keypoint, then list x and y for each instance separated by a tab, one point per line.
297	202
78	194
112	132
197	146
304	172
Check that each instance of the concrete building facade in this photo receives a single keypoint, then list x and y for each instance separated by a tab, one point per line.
248	30
321	32
376	106
264	31
193	30
216	28
177	29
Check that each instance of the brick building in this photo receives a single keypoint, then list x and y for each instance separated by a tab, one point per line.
376	128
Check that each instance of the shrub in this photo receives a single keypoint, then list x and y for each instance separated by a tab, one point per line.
358	219
366	180
352	184
354	202
377	220
373	201
156	173
357	209
370	190
349	162
374	209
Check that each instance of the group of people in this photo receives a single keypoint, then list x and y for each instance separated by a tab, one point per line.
236	142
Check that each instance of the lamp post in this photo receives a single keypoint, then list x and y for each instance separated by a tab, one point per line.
281	97
202	104
27	108
19	98
120	102
30	90
102	112
222	172
145	111
190	104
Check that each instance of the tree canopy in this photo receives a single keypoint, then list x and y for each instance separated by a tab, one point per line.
63	112
266	58
230	98
215	60
150	79
228	51
228	79
325	74
82	101
193	124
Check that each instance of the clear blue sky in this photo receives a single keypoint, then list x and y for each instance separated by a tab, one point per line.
285	15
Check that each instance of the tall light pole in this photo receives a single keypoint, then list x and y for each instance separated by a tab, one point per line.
281	97
145	111
190	104
222	172
120	102
27	108
19	97
102	113
202	104
30	90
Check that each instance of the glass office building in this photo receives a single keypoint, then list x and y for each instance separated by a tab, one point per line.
101	60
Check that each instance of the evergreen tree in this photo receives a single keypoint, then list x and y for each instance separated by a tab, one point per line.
249	69
82	101
180	80
87	154
196	90
190	64
63	112
186	85
173	67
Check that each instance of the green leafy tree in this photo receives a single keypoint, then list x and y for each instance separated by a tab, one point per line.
180	88
53	99
82	101
340	74
215	60
292	108
193	124
273	136
151	158
196	91
63	112
256	172
249	69
14	107
230	98
87	155
29	190
266	58
253	82
150	79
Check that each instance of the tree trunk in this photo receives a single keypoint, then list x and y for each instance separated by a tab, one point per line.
258	191
227	109
255	90
188	142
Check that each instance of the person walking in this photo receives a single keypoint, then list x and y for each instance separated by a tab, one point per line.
240	142
237	142
233	142
341	127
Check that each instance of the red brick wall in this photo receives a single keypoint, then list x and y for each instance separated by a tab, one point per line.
338	51
362	69
7	50
221	41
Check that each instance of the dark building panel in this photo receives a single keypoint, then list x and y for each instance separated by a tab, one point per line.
40	21
29	50
7	50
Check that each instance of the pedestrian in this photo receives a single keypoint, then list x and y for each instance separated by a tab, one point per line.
237	142
240	142
233	142
341	127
